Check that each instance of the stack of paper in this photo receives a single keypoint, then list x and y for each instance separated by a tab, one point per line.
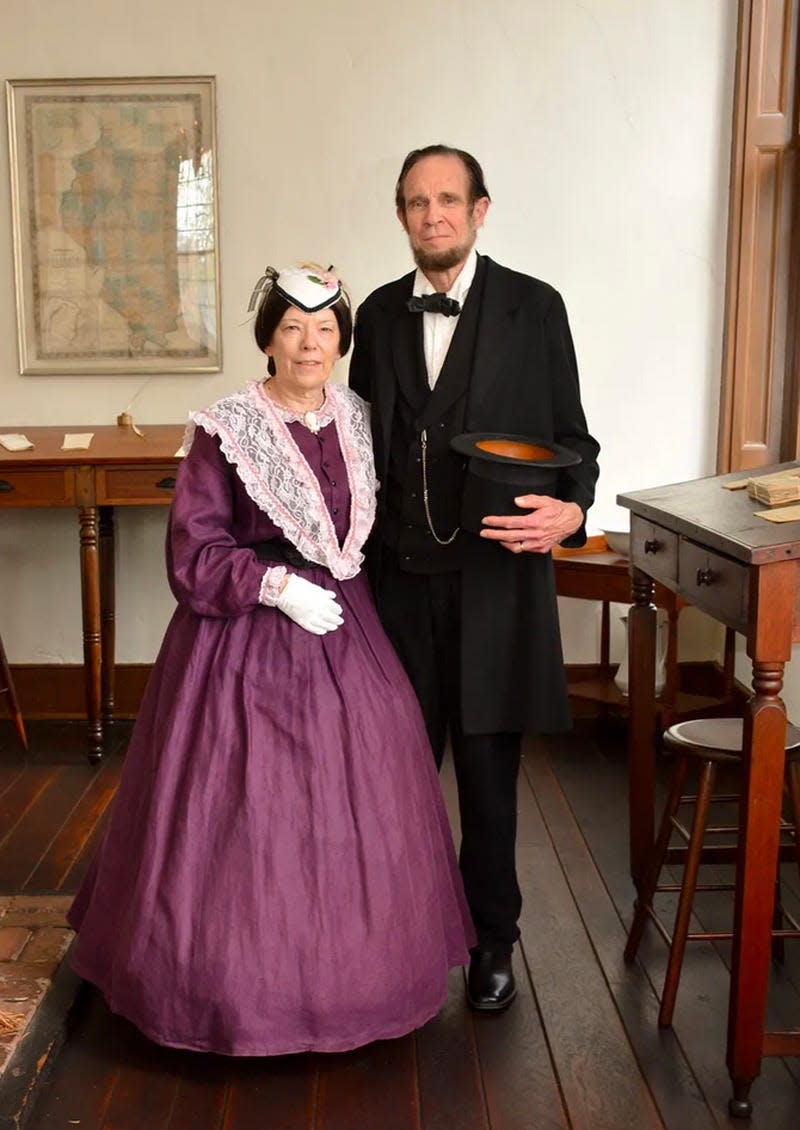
15	441
776	489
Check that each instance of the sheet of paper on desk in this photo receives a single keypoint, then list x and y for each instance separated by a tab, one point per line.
780	513
76	441
15	441
180	453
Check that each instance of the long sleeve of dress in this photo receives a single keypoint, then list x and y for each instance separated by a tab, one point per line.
207	568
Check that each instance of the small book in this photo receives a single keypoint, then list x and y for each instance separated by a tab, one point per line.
775	489
76	441
15	441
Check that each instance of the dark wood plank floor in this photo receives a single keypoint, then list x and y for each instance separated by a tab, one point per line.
578	1049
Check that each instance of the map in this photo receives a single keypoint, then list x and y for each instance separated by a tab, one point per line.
123	240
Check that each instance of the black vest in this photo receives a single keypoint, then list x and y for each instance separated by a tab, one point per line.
440	412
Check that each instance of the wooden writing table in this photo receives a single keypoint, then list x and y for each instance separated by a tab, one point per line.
120	468
599	574
705	543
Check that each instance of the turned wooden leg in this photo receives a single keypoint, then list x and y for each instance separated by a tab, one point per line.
757	859
92	643
641	723
650	880
670	694
107	622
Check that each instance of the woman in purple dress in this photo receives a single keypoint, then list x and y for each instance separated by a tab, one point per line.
277	874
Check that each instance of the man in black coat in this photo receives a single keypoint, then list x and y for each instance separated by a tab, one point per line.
464	345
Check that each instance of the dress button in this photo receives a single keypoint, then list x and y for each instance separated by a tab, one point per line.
333	482
336	509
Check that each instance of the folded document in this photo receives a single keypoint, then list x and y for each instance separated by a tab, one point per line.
15	441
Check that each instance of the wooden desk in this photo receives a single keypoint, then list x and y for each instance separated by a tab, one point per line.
704	543
120	468
605	576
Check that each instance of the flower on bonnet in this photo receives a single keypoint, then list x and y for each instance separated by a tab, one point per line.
326	278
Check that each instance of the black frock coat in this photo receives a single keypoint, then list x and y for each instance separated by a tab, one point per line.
524	380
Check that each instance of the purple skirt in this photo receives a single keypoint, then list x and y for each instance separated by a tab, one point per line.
277	874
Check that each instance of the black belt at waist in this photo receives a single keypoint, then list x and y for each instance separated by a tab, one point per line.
282	552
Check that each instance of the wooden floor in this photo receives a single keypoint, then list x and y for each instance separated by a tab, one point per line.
578	1049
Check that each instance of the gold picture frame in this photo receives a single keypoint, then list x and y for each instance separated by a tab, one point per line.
114	194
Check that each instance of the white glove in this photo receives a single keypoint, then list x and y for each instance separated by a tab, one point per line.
311	606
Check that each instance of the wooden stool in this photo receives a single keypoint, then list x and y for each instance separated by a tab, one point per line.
7	687
711	742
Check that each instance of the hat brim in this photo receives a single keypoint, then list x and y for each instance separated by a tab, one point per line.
501	466
294	299
514	450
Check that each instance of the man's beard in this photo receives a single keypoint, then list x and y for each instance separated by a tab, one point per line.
442	260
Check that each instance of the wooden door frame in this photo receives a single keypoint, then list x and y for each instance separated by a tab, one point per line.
760	385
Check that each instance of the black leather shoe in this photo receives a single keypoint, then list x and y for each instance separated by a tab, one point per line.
490	981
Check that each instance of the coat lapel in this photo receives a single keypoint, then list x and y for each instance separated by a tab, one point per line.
499	311
454	379
408	355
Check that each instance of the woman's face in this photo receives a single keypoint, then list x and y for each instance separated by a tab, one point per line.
304	348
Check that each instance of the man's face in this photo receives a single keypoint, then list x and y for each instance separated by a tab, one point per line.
440	221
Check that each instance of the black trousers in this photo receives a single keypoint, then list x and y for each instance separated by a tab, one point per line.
422	616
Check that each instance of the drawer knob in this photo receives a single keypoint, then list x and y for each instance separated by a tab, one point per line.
651	546
166	484
5	486
704	576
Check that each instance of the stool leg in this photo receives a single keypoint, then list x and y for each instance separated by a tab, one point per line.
793	789
778	948
680	931
651	875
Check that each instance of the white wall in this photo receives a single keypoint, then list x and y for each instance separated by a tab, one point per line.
604	131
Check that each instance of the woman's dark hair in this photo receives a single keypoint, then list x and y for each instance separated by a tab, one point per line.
477	185
272	308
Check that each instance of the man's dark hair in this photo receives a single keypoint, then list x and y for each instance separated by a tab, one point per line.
477	185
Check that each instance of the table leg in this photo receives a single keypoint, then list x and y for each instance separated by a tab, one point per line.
641	722
92	643
107	624
757	858
670	693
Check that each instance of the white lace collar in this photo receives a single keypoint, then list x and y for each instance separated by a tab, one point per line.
312	420
255	440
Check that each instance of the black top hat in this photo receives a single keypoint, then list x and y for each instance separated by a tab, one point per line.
503	466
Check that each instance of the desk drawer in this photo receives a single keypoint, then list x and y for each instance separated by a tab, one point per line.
717	584
37	487
654	550
136	486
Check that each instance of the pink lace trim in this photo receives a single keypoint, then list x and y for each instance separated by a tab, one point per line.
270	588
256	441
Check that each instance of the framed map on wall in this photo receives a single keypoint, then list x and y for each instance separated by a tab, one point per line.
116	239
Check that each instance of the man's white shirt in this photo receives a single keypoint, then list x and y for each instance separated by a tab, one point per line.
438	329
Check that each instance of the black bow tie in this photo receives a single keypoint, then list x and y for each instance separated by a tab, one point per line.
434	304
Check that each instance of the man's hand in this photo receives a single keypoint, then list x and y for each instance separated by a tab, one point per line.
547	524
